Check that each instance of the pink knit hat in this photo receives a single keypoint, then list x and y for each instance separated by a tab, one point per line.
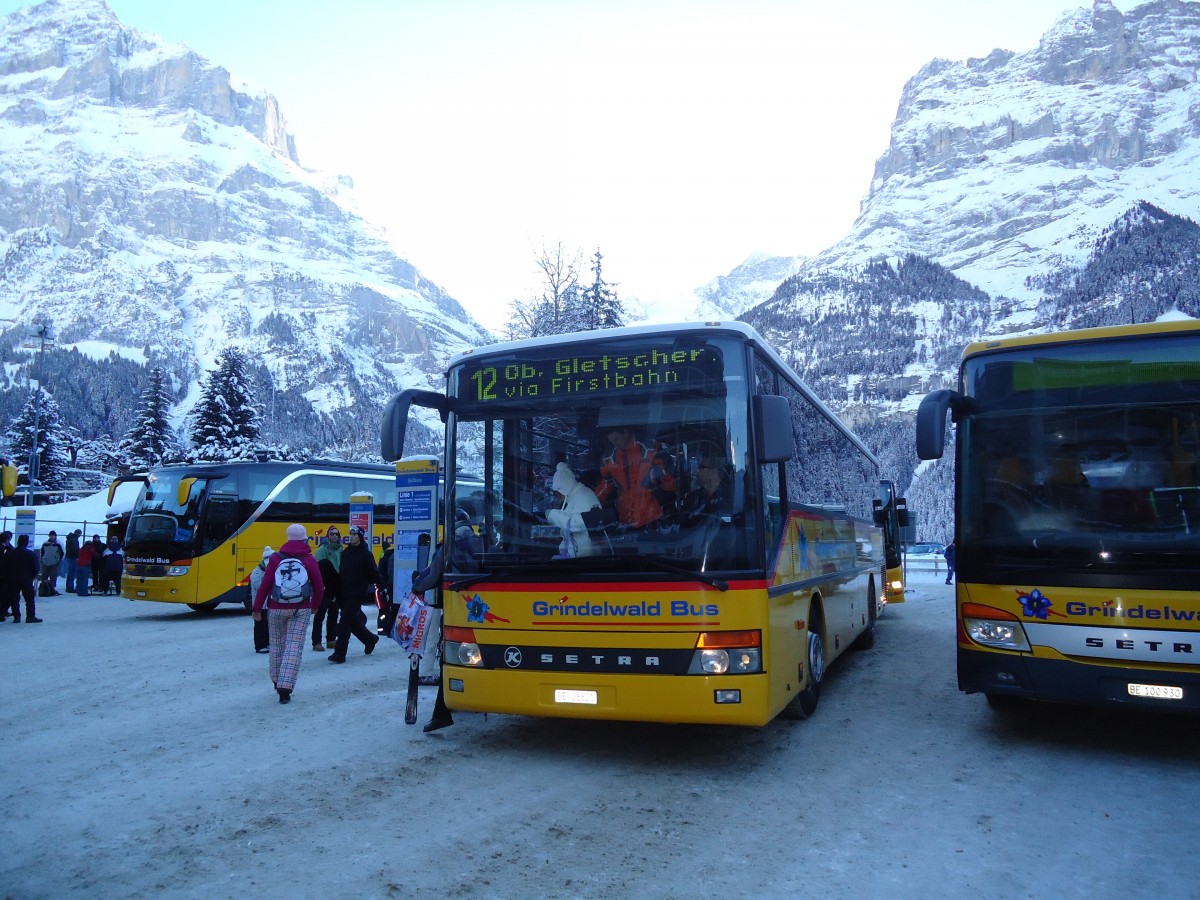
296	533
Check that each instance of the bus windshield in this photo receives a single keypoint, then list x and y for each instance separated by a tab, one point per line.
1085	453
625	455
168	509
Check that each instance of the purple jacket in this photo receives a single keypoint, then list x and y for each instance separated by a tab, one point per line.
304	552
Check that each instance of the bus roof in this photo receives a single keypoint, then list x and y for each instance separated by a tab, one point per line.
553	340
1109	332
330	464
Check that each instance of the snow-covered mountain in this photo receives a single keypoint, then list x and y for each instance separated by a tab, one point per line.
1020	193
152	205
1008	169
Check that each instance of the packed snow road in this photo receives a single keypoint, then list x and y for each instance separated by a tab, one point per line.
146	755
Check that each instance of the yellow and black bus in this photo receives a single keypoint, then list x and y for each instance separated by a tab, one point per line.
197	531
1077	514
636	598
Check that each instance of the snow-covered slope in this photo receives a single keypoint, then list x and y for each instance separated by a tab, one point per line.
1008	168
148	200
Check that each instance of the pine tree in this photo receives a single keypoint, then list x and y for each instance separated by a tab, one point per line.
52	442
600	306
149	442
225	424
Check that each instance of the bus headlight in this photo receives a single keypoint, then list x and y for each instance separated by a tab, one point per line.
727	653
463	654
993	628
461	647
178	570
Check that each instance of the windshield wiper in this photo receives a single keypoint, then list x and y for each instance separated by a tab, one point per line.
666	565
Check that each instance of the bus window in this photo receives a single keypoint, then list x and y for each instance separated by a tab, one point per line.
220	521
329	497
293	503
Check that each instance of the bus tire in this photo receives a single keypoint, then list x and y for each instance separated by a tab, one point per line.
804	704
205	607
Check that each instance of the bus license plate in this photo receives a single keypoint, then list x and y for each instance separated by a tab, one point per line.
587	698
1157	691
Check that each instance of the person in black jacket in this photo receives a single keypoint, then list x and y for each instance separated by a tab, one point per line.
9	592
24	570
358	574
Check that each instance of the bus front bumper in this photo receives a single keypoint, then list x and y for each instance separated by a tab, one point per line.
626	698
159	590
1070	681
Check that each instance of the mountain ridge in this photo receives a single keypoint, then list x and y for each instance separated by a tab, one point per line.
141	182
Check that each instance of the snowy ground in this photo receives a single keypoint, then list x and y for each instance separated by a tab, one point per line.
147	756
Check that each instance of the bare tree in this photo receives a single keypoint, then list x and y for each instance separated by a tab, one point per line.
562	285
556	311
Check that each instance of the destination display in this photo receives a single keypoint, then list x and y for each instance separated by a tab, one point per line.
511	377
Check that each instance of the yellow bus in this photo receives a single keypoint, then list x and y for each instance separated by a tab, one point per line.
1077	515
709	552
197	531
891	514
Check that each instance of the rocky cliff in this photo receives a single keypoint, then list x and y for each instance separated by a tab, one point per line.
151	204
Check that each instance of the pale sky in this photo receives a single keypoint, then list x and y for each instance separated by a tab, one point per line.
677	136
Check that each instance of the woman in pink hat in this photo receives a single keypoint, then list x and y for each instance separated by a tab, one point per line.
290	591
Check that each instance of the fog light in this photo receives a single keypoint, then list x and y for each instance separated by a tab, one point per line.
727	696
1006	677
456	685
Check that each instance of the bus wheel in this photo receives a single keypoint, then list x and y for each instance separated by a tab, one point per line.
804	704
205	607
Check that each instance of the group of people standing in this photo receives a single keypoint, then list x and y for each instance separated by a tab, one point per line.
90	566
341	577
27	574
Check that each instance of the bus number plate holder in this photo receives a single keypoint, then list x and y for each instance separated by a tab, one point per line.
1155	691
586	698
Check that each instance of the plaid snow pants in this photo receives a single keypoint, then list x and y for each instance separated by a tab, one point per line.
289	631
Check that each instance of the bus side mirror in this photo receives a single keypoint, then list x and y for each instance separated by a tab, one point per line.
395	419
931	423
772	428
185	491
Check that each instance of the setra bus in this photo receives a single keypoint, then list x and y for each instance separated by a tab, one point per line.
197	531
673	528
1077	514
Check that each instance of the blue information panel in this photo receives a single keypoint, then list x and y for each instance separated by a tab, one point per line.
416	518
414	505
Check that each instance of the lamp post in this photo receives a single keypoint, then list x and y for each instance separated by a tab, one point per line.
43	334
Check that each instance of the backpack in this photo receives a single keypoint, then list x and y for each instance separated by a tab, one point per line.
292	586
